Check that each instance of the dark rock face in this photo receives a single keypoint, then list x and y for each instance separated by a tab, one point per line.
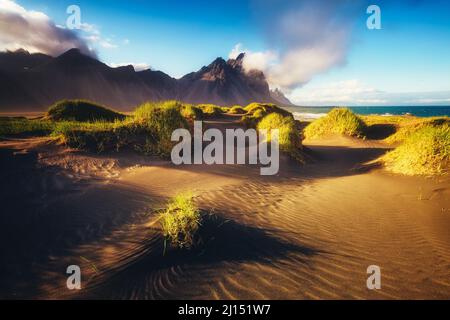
32	82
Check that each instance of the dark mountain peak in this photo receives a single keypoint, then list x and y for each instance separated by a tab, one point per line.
218	62
19	51
21	59
128	68
73	52
237	63
74	58
240	56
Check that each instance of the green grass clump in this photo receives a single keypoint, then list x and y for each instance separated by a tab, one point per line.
289	139
256	111
81	110
188	111
210	110
340	121
407	128
265	108
424	152
191	112
237	110
98	136
17	125
160	120
180	221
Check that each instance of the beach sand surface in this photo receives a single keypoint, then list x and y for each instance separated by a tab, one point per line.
308	233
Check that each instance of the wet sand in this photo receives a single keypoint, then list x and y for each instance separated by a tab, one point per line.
308	233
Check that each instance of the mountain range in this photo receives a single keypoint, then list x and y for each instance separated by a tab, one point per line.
32	82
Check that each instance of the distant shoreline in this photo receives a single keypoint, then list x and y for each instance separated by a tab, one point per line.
311	113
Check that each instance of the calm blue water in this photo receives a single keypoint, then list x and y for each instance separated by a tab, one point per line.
419	111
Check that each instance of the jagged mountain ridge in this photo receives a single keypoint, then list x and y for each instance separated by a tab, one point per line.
32	82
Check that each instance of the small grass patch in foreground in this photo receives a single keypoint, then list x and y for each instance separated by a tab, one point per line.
180	221
424	152
340	121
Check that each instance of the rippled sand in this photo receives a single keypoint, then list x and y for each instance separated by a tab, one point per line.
309	233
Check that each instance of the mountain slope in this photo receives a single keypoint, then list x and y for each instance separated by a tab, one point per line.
32	82
225	83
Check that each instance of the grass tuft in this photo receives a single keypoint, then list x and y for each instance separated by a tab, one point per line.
423	152
180	221
210	110
237	110
257	111
289	139
160	120
407	128
340	121
19	125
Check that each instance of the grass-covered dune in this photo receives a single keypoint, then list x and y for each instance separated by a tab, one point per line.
422	145
268	116
339	121
425	151
410	125
148	130
289	136
256	111
84	125
81	110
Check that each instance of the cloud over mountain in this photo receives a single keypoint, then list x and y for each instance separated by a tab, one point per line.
312	37
35	32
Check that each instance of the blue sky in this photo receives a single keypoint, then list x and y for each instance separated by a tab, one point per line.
334	58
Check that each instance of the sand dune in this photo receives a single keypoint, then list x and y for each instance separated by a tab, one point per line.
308	233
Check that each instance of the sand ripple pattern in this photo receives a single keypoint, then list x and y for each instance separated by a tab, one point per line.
295	239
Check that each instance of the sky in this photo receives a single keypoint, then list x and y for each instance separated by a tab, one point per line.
318	52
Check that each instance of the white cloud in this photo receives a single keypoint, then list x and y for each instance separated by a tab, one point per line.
35	31
312	37
107	44
337	93
430	101
137	66
254	60
93	36
355	93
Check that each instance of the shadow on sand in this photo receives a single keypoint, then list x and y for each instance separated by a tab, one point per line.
152	275
380	131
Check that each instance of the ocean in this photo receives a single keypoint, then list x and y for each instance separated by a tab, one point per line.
310	113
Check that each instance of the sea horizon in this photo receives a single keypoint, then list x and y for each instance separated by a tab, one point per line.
314	112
